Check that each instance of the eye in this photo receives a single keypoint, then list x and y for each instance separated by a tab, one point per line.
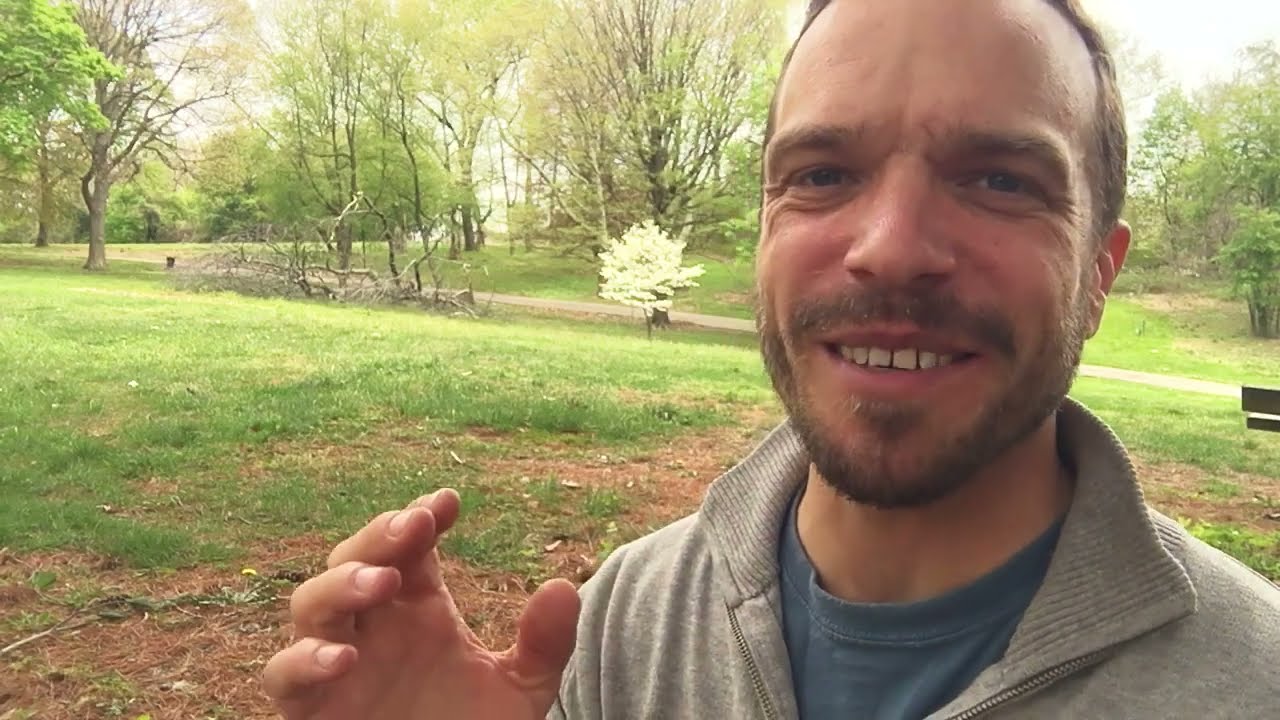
822	177
1004	182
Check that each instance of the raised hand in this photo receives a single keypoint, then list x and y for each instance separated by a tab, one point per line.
377	636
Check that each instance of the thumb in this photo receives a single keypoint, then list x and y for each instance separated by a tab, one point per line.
547	633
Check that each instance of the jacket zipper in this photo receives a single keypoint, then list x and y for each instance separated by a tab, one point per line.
757	681
1031	684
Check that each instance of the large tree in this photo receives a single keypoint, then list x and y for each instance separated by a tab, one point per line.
472	54
1206	171
56	159
46	67
635	101
321	69
1244	145
174	57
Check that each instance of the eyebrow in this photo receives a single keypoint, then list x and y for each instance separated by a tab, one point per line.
810	138
1039	149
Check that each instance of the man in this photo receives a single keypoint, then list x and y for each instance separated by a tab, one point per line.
936	531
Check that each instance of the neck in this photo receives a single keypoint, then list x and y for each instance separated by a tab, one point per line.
869	555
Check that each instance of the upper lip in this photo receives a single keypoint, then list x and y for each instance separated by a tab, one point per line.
898	338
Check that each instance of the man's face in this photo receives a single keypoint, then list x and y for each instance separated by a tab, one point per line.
927	274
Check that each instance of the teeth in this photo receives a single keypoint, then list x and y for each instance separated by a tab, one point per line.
905	359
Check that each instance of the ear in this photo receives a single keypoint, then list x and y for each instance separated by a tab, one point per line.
1107	263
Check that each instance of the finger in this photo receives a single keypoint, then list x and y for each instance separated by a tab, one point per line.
392	538
423	574
325	606
295	676
546	635
445	504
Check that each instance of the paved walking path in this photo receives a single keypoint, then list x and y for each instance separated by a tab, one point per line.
727	323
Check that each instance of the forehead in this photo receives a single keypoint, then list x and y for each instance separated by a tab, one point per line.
907	65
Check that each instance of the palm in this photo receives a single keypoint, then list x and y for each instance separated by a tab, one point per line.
418	659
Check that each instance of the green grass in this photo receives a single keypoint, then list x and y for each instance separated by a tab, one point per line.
1207	341
1260	551
114	385
169	429
1203	431
724	289
1195	335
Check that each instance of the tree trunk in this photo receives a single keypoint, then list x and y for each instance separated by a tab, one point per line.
1264	320
94	190
661	319
97	235
469	241
344	246
44	189
455	236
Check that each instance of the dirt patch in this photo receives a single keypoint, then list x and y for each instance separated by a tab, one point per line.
1251	501
190	661
194	660
736	298
1182	303
322	457
661	485
126	652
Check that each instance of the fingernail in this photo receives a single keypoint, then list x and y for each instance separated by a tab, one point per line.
327	655
366	578
399	523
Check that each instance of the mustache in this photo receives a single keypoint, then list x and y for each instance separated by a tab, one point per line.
936	311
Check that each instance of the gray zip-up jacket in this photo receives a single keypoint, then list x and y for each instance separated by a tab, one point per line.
1135	619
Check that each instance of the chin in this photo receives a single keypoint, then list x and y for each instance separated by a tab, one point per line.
892	457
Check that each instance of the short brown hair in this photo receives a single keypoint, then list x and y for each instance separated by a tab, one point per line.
1108	163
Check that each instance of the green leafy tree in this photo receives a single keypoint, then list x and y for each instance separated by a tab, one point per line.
1246	146
471	54
47	68
1252	259
1206	176
228	181
632	105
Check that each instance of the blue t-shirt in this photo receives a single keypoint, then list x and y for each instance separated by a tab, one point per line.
898	661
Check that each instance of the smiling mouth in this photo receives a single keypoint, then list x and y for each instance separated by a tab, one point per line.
899	359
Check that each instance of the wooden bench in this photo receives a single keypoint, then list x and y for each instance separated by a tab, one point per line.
1261	407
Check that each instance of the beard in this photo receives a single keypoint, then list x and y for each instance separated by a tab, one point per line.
863	469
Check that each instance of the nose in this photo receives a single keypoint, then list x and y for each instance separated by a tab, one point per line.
898	238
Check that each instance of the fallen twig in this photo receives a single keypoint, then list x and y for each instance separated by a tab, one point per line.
62	625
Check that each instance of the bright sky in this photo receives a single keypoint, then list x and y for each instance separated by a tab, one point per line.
1192	37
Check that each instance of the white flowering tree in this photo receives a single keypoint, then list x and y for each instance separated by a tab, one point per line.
644	269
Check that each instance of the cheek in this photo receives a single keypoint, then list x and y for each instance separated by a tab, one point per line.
798	253
1033	287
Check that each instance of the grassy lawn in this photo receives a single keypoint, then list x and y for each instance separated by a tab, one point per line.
1191	334
114	383
172	464
1188	335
